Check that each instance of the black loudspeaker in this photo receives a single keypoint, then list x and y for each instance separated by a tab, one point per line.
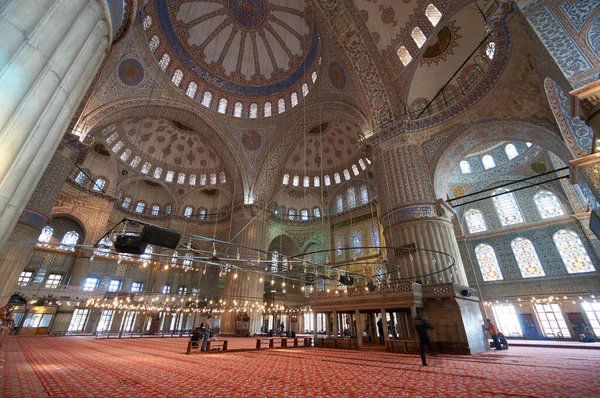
371	286
466	293
160	237
130	244
347	280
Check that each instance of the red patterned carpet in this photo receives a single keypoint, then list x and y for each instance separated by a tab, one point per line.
85	367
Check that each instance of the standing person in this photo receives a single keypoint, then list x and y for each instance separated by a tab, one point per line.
423	327
380	330
494	332
207	330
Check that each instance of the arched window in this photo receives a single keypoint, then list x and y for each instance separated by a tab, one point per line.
418	36
304	89
292	214
202	214
181	178
488	263
203	179
174	258
267	109
511	151
275	262
155	210
364	194
327	180
507	208
168	209
140	207
465	167
351	197
340	203
304	214
188	211
362	164
222	106
355	169
548	205
192	180
313	77
99	185
112	138
253	111
316	181
356	242
294	99
157	172
191	90
207	99
527	258
572	252
404	55
126	203
164	61
488	162
306	182
80	179
317	212
374	233
213	178
45	235
177	77
104	247
296	181
125	155
475	221
433	14
286	179
336	178
338	246
147	22
490	50
281	105
188	260
135	162
153	43
69	240
170	175
237	109
117	146
346	174
146	168
147	256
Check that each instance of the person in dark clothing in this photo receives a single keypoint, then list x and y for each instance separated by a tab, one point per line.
196	336
423	327
380	330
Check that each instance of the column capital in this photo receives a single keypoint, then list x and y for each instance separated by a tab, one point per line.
585	102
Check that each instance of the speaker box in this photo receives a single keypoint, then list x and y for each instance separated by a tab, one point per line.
466	293
347	280
371	286
130	244
160	237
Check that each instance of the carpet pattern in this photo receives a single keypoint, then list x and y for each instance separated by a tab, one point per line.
86	367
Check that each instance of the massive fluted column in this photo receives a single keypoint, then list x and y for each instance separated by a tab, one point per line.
50	52
17	252
247	287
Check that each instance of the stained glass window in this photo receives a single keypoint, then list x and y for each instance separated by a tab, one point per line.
202	214
320	285
547	204
490	49
364	194
177	77
488	263
126	203
222	178
362	164
465	167
203	179
336	178
317	181
80	179
286	179
511	151
488	162
314	77
135	162
292	214
253	111
294	99
296	181
433	14
304	90
222	106
374	232
69	240
418	36
188	260
157	172
404	55
188	211
346	174
355	169
572	252
192	179
356	242
153	43
112	138
181	178
147	256
304	214
146	168
338	246
155	210
125	155
507	208
174	259
147	22
168	209
139	208
340	203
527	258
237	109
267	109
317	212
207	99
213	178
281	105
170	175
306	182
164	61
45	235
351	197
475	221
117	146
99	185
191	90
327	180
104	247
275	262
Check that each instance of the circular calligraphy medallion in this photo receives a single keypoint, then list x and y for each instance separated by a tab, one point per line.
248	13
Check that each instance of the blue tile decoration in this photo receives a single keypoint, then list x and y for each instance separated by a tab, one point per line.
248	13
581	132
131	72
579	11
593	37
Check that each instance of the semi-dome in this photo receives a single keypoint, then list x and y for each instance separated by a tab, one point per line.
235	48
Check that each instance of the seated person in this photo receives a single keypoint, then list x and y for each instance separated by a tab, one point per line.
587	335
196	337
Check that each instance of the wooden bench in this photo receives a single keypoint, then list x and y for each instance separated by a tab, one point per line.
351	344
402	346
271	342
215	345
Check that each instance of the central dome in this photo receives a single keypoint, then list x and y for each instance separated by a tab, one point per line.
252	48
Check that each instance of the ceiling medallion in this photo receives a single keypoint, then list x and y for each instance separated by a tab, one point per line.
248	13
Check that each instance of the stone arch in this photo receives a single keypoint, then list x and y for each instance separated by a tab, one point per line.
77	221
284	245
460	140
